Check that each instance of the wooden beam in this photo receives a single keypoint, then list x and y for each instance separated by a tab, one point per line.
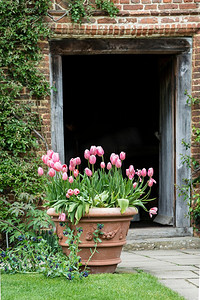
119	46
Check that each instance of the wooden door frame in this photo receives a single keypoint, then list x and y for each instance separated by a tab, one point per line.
180	47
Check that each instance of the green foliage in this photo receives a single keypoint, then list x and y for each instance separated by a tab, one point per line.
22	217
108	7
21	27
36	254
188	189
83	9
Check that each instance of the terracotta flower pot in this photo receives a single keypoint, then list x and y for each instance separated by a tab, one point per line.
115	230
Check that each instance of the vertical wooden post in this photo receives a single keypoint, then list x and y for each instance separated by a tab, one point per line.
183	132
57	130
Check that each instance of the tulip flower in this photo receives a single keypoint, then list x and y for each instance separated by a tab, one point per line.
62	217
51	172
78	161
103	165
93	150
113	158
73	162
150	172
100	151
71	179
70	192
151	182
88	172
64	168
92	159
109	166
76	192
45	159
122	155
131	170
40	171
118	163
55	157
153	211
64	176
87	154
135	185
76	172
50	153
143	172
57	166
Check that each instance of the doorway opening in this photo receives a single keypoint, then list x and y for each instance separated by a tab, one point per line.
113	100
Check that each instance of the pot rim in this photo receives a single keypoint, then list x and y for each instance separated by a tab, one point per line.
101	211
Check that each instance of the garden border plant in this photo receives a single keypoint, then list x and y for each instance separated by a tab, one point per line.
21	85
190	187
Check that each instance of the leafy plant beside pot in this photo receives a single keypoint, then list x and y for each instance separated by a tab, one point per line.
99	196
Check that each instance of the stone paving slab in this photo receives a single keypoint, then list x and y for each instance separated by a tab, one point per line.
177	269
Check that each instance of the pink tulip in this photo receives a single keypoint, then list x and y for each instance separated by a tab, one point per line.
62	217
50	153
64	176
71	168
87	154
153	211
76	172
109	166
57	166
138	173
64	168
131	170
150	172
45	159
103	165
76	192
113	158
122	155
135	185
93	150
51	164
67	196
100	151
55	157
118	163
131	176
40	171
73	162
127	172
78	161
92	159
71	179
143	172
70	192
88	172
151	182
51	172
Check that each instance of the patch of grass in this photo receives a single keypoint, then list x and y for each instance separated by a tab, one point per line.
95	287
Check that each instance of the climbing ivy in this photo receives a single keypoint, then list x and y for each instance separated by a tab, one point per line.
21	84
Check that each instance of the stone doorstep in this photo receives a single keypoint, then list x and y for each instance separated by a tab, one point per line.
158	232
163	243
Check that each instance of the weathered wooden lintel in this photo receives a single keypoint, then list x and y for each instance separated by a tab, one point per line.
72	46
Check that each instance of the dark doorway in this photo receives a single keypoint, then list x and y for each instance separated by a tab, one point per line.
113	101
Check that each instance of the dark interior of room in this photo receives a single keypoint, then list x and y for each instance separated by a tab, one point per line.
113	101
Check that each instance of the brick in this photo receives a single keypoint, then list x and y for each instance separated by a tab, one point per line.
148	21
188	6
167	6
132	7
